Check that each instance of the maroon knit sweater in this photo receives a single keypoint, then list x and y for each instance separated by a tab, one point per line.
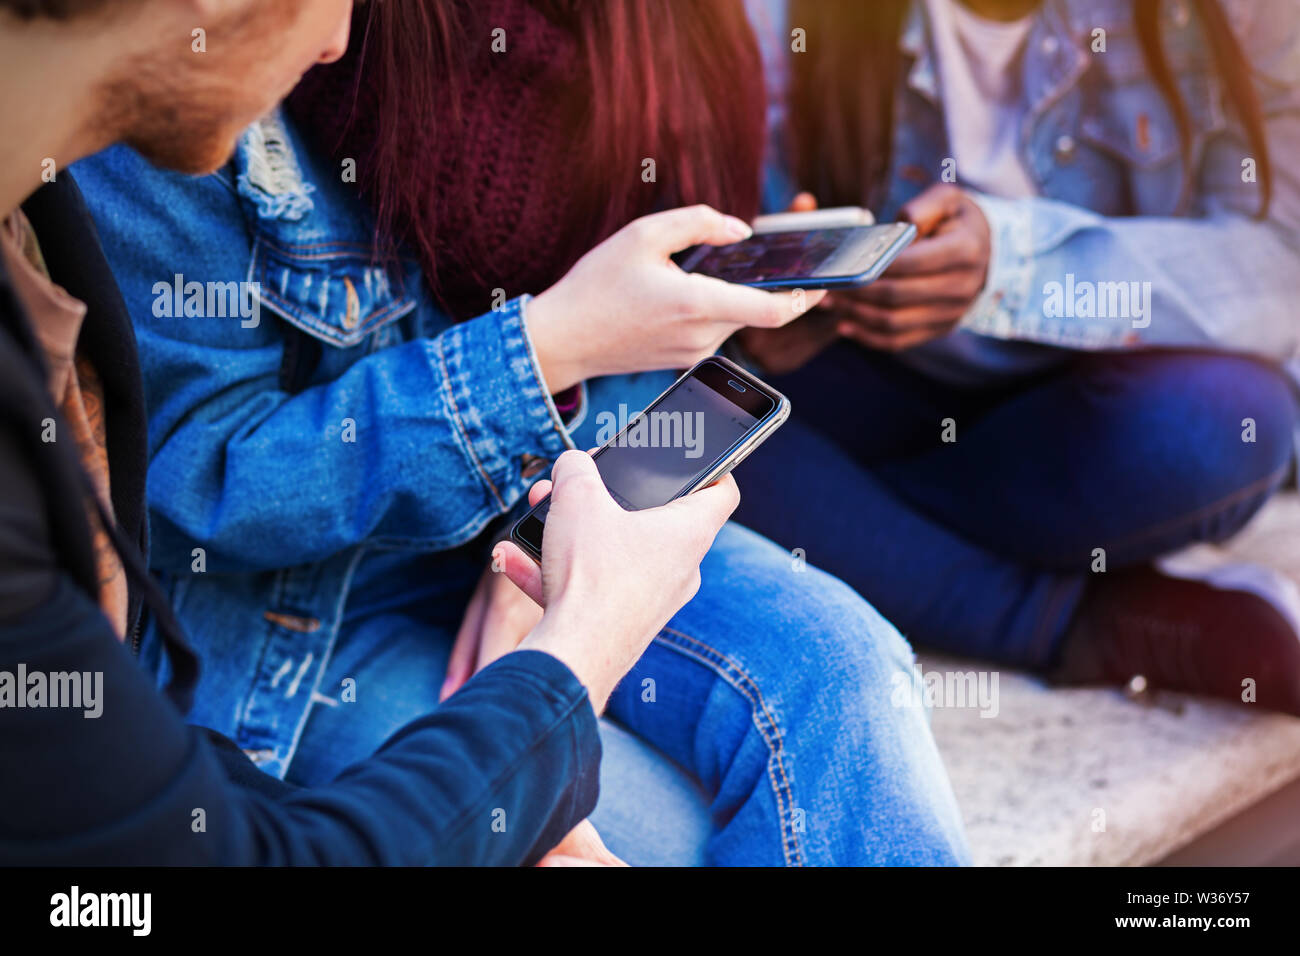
502	181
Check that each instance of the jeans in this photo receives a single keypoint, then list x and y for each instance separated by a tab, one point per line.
973	518
768	704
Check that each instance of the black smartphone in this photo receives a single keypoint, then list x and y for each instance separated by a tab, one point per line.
831	258
704	425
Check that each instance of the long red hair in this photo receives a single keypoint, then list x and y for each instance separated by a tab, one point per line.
675	81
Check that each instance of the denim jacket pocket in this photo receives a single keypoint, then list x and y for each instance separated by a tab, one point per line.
1126	115
333	291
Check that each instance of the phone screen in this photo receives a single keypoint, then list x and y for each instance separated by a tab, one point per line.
791	255
685	434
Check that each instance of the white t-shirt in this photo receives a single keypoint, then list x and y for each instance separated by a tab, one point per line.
979	68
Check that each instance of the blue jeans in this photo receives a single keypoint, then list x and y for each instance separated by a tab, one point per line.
982	545
761	727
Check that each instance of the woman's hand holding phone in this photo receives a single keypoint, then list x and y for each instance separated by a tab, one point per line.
610	579
627	307
582	847
498	617
784	350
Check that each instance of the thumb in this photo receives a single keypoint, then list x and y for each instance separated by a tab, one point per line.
804	202
571	474
678	229
932	207
576	490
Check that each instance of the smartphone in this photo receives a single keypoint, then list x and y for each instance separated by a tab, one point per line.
831	217
827	258
704	425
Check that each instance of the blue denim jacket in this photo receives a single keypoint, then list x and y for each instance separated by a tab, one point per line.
272	502
1103	149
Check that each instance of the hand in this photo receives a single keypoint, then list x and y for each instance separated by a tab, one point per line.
931	285
582	847
792	346
627	307
610	579
498	617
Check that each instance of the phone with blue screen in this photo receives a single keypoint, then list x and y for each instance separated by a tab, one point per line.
831	258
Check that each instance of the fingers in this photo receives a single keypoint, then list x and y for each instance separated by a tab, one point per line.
574	474
803	202
678	229
956	286
581	847
740	306
783	350
464	652
539	491
894	340
585	842
577	496
723	498
936	204
877	318
709	507
522	571
953	249
795	303
558	859
510	616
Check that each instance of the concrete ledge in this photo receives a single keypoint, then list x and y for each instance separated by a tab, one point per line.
1090	777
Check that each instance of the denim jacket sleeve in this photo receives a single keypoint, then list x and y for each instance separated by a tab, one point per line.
1218	278
411	445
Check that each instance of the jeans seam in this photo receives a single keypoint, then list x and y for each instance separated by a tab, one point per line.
744	684
1041	639
1254	488
1044	643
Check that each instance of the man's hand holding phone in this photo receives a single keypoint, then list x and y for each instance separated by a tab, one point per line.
610	579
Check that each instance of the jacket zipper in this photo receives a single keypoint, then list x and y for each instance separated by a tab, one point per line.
135	634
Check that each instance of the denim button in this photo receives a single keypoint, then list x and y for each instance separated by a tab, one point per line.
1065	147
293	622
532	465
352	317
1050	45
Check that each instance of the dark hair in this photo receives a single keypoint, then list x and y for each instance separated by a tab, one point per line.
842	98
672	79
53	9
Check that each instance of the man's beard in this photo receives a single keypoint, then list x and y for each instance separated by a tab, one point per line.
184	124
